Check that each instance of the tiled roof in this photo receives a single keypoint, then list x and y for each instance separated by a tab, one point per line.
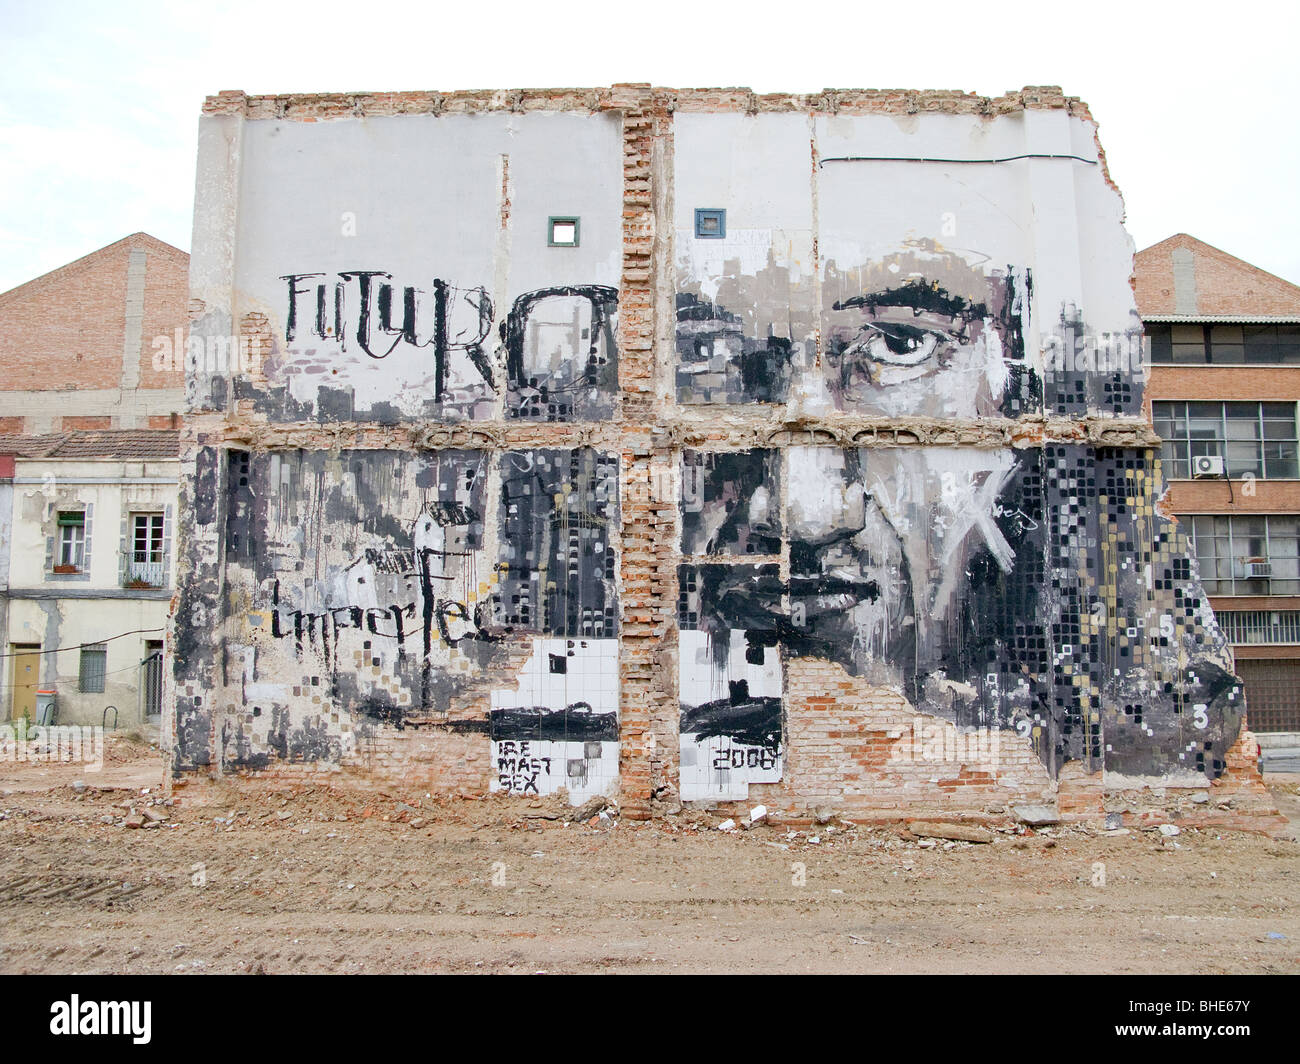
28	446
127	444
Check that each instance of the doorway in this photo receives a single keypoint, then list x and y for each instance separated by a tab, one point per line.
151	678
24	679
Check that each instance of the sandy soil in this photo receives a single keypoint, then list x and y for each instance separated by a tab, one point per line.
245	879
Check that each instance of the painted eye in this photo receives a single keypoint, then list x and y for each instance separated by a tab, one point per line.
899	345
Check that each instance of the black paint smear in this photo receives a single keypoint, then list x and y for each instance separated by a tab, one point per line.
556	582
363	278
737	475
193	735
291	318
920	296
514	332
575	723
758	372
737	596
1024	391
748	721
439	339
826	585
205	490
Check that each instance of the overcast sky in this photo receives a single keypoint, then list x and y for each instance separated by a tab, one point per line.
99	102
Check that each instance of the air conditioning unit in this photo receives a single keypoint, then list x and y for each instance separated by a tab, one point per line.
1259	570
1207	465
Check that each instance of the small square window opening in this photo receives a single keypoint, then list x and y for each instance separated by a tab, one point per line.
710	223
563	232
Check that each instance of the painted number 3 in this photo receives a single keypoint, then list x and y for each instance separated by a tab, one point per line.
1200	717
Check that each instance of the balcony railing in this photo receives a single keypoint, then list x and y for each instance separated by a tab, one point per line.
144	574
1257	627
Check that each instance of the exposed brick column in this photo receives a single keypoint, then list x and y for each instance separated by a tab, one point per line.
643	609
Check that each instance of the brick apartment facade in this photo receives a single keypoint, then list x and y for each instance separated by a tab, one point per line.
90	398
1223	340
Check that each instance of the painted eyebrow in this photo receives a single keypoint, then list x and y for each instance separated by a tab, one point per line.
932	329
919	297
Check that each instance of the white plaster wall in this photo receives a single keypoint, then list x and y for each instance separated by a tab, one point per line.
757	168
419	197
64	623
68	623
69	485
1056	216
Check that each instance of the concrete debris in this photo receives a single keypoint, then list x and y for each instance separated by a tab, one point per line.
591	807
727	825
1169	829
418	822
154	816
958	832
1035	815
135	820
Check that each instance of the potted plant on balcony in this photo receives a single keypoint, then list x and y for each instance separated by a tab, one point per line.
64	570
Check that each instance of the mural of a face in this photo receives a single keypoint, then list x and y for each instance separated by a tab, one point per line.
850	585
883	542
731	502
914	348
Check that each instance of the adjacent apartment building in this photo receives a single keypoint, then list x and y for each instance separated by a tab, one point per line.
1223	342
90	396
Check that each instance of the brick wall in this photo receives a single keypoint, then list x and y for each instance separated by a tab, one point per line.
67	332
1224	284
64	331
166	309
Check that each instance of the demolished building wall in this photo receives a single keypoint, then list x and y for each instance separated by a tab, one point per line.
680	445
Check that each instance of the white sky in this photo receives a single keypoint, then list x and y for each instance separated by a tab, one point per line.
99	101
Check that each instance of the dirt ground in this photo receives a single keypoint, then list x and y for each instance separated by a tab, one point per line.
245	879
